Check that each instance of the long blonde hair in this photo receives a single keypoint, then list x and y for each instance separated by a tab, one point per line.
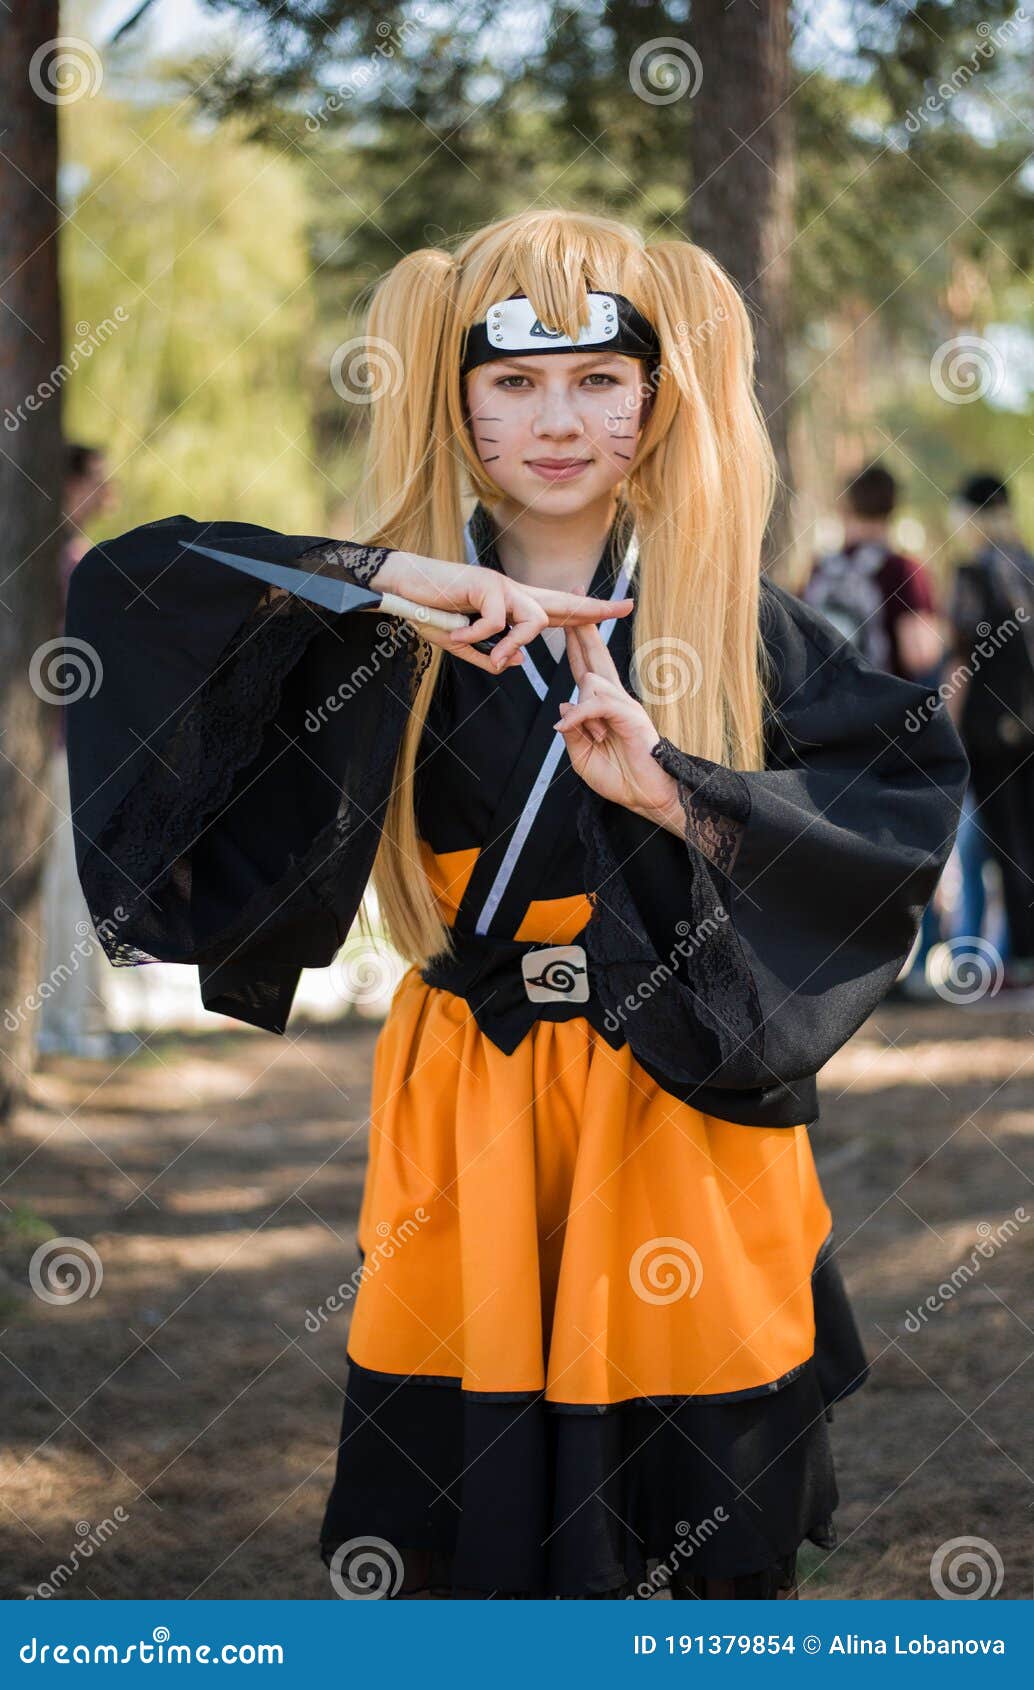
700	486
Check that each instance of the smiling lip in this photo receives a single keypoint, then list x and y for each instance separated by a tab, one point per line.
557	469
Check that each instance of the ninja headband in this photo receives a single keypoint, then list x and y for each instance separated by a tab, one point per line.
510	327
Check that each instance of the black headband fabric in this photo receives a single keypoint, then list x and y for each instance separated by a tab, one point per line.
511	329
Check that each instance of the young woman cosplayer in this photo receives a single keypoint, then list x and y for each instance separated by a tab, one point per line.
654	842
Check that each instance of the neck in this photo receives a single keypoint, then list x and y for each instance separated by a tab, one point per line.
542	549
861	528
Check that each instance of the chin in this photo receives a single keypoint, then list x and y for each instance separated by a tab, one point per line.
566	496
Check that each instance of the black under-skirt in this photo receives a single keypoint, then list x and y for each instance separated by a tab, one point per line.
439	1489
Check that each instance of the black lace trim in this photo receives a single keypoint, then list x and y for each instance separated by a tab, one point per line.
147	840
360	564
716	801
695	1016
346	557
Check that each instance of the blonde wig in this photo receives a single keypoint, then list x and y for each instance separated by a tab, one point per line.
699	488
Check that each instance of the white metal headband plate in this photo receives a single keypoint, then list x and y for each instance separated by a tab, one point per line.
511	328
512	325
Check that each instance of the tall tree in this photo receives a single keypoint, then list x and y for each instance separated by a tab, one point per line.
30	499
741	204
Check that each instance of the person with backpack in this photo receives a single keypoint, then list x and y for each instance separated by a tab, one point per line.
876	597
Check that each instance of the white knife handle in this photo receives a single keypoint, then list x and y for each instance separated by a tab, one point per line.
421	613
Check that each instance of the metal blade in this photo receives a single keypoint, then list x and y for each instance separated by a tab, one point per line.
319	589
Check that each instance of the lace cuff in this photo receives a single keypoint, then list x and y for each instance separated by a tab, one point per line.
360	564
716	801
345	557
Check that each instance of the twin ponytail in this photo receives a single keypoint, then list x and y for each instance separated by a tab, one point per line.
409	498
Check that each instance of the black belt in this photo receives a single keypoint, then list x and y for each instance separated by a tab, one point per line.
510	984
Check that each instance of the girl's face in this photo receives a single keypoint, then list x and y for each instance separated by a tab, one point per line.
557	431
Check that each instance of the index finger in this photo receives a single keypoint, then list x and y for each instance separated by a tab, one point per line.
597	657
573	608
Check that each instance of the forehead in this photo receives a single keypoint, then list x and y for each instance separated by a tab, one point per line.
553	363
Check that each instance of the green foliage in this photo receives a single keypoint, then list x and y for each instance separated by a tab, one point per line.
187	291
377	128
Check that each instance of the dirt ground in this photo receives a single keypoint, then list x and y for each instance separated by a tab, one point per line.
177	1427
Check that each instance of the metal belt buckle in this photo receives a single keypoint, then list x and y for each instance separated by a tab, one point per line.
556	974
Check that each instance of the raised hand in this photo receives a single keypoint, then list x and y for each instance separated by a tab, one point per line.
610	736
494	602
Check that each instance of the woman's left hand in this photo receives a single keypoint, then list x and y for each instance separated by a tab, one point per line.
610	736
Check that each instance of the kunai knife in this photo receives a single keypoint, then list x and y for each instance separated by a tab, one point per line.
333	594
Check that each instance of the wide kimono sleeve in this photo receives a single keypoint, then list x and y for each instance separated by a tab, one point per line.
230	751
743	956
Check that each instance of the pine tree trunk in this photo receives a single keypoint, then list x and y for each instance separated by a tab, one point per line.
30	493
741	208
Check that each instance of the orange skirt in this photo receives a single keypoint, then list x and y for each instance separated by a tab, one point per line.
554	1221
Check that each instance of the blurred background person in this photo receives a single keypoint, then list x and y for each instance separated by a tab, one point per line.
992	622
74	1014
877	597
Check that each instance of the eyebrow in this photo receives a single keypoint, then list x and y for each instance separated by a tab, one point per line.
584	363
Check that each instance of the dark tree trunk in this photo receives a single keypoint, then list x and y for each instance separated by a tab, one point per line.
741	208
30	494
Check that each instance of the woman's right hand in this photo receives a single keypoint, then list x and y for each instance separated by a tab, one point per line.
494	602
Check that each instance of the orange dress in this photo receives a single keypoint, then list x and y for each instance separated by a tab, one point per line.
594	1322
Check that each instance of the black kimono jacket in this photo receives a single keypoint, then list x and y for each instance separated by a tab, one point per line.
231	763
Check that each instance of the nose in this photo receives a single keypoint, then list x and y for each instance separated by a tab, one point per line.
557	415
